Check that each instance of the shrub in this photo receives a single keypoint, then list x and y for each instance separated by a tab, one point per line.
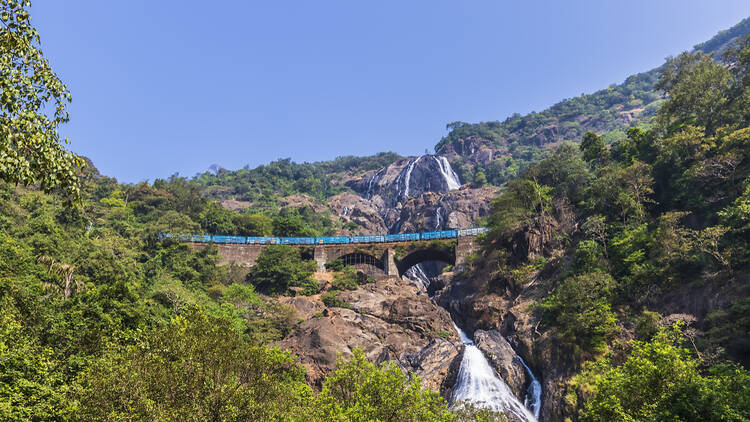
347	279
279	267
359	390
580	307
329	299
193	368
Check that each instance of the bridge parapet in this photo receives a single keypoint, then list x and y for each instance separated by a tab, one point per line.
390	258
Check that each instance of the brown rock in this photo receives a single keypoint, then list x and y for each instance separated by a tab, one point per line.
503	358
306	307
390	321
436	364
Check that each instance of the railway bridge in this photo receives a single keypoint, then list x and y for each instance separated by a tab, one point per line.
381	258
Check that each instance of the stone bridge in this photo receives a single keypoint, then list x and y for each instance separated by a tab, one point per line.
376	258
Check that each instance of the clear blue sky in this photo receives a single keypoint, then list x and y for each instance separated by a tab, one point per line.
170	86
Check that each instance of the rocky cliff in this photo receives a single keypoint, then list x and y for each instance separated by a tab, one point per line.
391	320
413	194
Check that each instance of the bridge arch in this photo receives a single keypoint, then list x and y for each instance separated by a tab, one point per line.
364	262
424	255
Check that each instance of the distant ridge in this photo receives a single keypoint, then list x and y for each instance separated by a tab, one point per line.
609	111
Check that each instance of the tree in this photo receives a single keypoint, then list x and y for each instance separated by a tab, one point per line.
280	267
593	148
698	89
193	368
359	390
580	307
480	179
622	192
68	281
661	380
288	226
31	150
253	224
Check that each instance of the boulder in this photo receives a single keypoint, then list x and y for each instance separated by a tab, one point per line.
389	321
436	364
504	359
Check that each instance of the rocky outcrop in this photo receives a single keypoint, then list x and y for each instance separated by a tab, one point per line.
503	358
474	150
413	194
409	177
457	209
389	321
436	364
306	307
361	211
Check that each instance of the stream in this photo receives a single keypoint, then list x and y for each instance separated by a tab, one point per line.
478	383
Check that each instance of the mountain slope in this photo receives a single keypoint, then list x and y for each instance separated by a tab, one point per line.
499	149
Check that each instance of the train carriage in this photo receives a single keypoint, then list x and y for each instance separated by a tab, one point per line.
263	240
297	240
332	240
401	237
200	238
229	239
370	238
445	234
472	232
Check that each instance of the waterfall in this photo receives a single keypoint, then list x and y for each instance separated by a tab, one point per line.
437	218
533	399
407	176
417	273
374	179
478	383
451	179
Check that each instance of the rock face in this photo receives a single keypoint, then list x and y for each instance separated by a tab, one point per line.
390	320
413	194
410	177
436	364
503	358
363	212
457	209
473	149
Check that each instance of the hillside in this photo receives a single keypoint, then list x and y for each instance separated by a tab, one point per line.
613	283
500	150
513	143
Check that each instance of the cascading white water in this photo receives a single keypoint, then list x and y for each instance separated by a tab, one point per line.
417	273
437	218
533	399
478	383
407	176
451	179
374	179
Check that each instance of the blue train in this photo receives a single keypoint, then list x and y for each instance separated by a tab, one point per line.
326	240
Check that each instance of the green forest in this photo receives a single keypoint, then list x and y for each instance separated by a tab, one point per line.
664	210
102	320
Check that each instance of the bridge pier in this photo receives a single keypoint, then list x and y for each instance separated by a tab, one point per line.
464	247
321	257
389	262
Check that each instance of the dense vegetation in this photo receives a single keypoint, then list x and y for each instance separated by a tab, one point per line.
622	233
524	139
265	185
33	104
101	320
